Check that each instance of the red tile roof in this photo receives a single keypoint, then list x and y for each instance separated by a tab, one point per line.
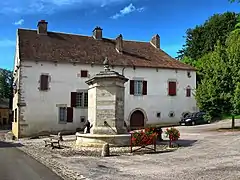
85	49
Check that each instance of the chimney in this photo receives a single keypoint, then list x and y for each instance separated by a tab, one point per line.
42	27
155	41
97	33
119	43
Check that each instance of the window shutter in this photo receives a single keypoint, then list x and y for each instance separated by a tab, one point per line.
73	99
172	88
84	73
69	114
188	92
131	86
144	88
44	82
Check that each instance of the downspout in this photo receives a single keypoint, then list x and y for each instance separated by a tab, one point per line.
123	70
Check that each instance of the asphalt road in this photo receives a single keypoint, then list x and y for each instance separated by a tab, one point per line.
16	165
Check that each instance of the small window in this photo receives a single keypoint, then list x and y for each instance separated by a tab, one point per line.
138	87
15	115
158	114
188	74
44	82
62	114
82	119
84	73
188	92
172	88
171	114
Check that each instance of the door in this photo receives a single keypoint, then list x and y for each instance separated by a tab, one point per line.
137	120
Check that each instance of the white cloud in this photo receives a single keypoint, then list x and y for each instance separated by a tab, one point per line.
49	6
127	10
20	22
7	43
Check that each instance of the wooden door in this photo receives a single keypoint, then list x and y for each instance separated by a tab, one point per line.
137	120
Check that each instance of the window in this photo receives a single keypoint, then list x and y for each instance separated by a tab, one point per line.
171	114
79	99
65	114
188	92
138	87
189	74
62	114
172	88
158	114
15	86
15	115
82	118
44	82
84	73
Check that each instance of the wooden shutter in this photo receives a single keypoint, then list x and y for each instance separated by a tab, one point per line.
131	86
144	88
73	99
188	92
84	73
172	88
69	114
44	82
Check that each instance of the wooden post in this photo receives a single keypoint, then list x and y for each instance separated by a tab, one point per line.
233	122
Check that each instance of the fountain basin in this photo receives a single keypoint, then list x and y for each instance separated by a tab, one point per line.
97	140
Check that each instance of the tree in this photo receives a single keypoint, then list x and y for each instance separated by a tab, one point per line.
203	38
6	81
215	90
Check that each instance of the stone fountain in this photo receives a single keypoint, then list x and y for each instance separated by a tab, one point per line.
106	110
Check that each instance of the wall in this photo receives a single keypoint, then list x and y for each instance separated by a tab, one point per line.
16	97
41	112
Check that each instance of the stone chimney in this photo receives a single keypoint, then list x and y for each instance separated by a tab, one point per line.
97	33
119	43
42	27
155	41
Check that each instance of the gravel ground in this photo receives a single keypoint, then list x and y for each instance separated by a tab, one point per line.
206	154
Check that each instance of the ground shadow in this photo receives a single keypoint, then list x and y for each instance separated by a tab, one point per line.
9	144
179	143
236	128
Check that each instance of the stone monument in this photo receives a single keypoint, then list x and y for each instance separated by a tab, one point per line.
106	110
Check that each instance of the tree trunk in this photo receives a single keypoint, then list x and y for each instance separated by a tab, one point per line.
233	122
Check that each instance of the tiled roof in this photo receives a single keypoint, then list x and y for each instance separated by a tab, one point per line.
63	47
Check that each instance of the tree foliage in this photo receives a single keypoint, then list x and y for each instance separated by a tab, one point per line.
203	38
6	81
214	49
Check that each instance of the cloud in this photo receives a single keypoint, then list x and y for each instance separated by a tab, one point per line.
7	43
20	22
50	6
127	10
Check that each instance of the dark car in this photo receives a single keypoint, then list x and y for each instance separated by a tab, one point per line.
194	119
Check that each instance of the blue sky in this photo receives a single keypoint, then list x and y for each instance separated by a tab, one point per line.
135	19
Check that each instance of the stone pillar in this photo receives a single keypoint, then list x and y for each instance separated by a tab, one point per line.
106	102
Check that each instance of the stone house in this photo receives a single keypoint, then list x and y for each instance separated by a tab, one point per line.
5	112
51	69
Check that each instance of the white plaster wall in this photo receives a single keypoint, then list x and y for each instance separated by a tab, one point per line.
41	113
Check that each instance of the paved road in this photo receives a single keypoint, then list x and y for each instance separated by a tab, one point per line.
208	155
16	165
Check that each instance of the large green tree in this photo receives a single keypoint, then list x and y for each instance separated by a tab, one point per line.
202	39
6	81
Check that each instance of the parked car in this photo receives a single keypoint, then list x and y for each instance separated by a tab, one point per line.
194	119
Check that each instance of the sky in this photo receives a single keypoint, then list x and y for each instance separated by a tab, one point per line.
134	19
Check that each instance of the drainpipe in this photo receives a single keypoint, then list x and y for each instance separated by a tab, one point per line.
123	71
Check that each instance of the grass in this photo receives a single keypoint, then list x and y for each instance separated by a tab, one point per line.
226	117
